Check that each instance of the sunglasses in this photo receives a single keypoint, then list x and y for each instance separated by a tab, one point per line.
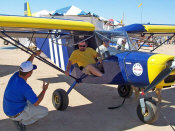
82	45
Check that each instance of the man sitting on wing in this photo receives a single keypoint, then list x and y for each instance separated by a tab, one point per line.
85	57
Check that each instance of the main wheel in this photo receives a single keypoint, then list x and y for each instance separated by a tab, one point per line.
151	114
125	90
60	99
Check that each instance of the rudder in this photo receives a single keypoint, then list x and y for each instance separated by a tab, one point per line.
27	11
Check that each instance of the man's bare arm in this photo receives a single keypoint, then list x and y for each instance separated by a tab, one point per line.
68	68
41	95
37	53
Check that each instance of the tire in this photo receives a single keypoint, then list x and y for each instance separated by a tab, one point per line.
125	91
60	99
6	43
151	114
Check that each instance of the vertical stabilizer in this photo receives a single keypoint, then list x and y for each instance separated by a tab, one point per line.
27	11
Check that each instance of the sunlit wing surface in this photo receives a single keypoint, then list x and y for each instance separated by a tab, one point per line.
160	28
34	24
142	30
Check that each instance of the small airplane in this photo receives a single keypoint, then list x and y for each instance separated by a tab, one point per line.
57	38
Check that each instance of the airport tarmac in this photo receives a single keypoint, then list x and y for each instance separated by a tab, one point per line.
88	103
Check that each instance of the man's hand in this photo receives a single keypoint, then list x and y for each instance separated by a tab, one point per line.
45	85
41	95
100	61
37	53
66	73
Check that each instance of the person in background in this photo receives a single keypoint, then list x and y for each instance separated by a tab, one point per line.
123	44
105	50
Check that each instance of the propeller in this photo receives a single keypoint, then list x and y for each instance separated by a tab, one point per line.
160	77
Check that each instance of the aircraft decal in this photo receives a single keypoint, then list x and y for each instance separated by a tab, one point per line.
137	69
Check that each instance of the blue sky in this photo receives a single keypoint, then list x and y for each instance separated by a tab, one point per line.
153	11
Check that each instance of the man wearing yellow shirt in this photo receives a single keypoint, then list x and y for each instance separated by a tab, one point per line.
84	57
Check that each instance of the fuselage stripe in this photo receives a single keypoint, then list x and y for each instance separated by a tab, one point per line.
51	49
56	52
61	55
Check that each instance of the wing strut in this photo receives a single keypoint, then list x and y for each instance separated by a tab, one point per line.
163	43
27	50
145	41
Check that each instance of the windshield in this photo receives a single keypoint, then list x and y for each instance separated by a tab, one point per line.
114	42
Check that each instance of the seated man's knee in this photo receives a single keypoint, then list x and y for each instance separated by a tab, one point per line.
94	70
88	67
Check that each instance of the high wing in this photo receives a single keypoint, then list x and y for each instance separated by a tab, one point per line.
18	26
146	31
141	30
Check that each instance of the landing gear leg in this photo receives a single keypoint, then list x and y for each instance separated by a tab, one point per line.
147	111
158	93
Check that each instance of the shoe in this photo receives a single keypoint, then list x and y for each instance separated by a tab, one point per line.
20	126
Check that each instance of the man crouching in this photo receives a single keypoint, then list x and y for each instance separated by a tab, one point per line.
20	103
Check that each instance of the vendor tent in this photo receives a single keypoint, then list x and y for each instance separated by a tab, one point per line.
70	10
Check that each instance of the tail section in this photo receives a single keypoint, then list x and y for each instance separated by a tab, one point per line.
27	11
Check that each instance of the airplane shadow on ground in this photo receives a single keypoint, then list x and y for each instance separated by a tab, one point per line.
96	116
104	96
7	69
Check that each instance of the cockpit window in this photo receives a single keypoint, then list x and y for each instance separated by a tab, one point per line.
111	43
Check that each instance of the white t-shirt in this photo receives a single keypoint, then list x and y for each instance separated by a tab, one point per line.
111	50
123	46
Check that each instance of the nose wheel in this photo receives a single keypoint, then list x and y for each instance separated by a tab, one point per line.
151	113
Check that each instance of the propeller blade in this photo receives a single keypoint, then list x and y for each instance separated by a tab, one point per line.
158	79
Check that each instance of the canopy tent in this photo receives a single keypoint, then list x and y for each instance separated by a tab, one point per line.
70	10
74	13
73	10
42	13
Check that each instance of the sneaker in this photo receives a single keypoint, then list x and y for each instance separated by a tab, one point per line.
20	126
